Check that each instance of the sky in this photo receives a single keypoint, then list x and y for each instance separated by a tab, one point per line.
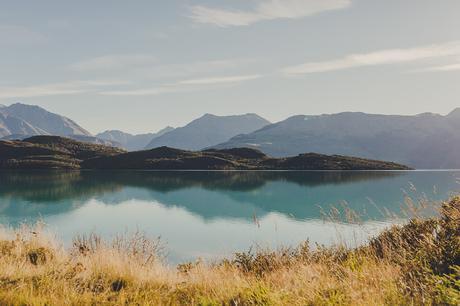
139	66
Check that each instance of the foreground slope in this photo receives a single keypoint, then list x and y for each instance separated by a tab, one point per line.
209	130
427	141
414	264
59	152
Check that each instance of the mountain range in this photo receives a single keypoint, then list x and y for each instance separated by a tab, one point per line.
208	130
132	142
23	119
20	121
424	141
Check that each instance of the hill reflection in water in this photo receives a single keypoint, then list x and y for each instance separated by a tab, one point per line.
234	194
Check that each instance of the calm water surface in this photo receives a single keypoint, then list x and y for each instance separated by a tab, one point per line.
213	214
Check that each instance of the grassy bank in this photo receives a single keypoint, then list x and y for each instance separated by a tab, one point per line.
418	263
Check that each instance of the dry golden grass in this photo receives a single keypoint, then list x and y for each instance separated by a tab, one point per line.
410	265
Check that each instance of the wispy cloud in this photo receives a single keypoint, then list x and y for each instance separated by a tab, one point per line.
174	77
452	67
19	35
185	85
148	67
220	80
191	69
143	91
383	57
265	10
114	62
55	89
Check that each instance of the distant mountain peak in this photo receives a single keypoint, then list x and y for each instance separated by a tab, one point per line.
209	130
24	105
213	116
31	107
455	113
165	130
132	142
116	132
43	121
209	115
427	114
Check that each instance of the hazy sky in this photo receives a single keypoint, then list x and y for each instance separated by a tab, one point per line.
141	65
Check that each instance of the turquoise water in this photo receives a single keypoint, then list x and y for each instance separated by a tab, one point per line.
213	214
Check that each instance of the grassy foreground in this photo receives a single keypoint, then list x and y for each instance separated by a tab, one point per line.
418	263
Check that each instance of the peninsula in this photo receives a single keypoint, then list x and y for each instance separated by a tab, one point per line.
54	152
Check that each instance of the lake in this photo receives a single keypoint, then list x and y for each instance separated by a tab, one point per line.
208	215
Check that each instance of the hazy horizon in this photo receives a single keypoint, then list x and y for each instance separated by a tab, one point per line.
140	67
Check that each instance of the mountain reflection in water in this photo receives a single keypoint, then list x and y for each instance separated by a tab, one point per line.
204	199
